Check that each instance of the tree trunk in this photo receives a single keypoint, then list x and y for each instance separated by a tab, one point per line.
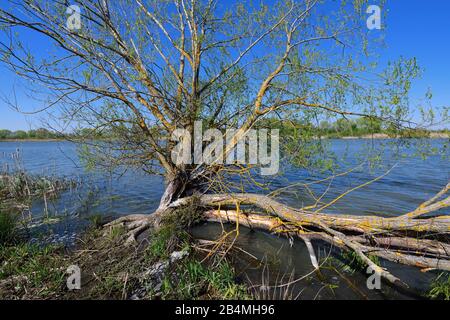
136	224
174	189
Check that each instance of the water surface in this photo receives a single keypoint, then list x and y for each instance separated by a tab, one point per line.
411	181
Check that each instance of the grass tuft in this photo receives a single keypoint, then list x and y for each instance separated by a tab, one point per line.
8	228
195	279
32	270
440	287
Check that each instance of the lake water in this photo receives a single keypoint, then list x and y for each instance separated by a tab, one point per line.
411	181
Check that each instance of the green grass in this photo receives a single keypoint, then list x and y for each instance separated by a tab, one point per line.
110	286
8	228
159	243
116	232
27	269
440	287
96	220
113	271
195	279
164	241
38	271
190	278
352	262
172	234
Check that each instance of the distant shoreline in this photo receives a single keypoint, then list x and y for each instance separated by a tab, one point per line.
432	135
32	140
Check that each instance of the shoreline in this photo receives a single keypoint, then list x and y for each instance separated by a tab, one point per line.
432	135
32	140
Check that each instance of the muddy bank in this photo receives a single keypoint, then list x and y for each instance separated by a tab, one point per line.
164	264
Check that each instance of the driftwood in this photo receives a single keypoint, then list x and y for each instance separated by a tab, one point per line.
405	239
413	239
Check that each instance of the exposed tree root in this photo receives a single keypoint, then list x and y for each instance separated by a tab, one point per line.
134	225
409	239
336	239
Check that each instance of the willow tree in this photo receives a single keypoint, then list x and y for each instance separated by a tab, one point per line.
138	70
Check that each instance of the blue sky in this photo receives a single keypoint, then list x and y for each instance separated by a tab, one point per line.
415	28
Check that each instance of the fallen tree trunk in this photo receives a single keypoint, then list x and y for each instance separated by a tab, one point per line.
272	224
409	239
341	241
360	224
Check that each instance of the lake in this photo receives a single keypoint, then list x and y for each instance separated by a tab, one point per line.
411	181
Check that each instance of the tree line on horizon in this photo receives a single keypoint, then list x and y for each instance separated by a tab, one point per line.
38	134
346	127
331	129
